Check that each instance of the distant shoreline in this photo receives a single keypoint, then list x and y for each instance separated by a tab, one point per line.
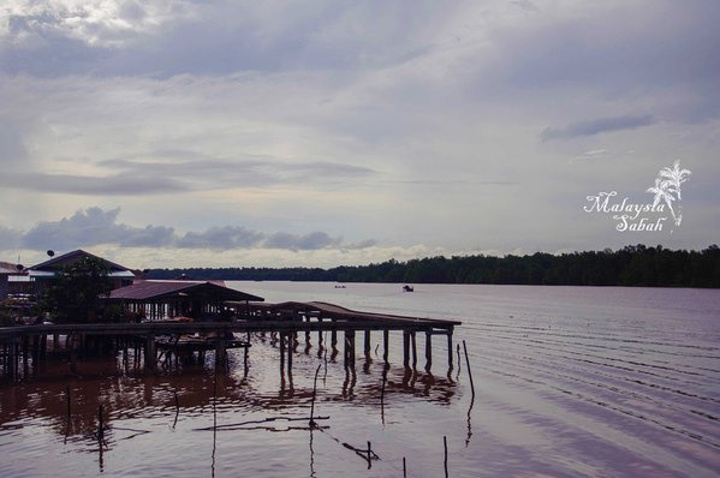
631	266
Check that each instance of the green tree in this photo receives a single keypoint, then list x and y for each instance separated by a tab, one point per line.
77	291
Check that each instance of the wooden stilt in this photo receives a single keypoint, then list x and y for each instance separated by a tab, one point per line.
406	348
290	356
367	344
73	353
428	351
150	357
414	349
386	344
350	348
220	351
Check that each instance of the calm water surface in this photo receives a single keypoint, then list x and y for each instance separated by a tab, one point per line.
569	382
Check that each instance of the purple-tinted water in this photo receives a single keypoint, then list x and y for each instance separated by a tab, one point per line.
569	382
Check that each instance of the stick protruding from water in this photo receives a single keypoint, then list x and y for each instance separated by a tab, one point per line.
467	362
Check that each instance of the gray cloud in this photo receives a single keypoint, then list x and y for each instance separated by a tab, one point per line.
95	226
224	238
50	40
597	126
205	173
628	51
312	241
168	176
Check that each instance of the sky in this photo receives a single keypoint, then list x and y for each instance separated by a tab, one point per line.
185	133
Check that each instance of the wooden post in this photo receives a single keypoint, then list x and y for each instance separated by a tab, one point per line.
445	462
35	351
290	353
282	353
450	349
73	354
150	357
414	349
367	344
386	344
25	353
428	350
350	348
43	346
406	348
467	361
220	350
333	339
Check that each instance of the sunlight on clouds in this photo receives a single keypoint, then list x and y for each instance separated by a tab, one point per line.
105	23
471	125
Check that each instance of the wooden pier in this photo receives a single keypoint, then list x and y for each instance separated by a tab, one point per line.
21	346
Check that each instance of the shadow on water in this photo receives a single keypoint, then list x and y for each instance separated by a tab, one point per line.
92	409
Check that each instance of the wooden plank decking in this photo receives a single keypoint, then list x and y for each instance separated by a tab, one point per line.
285	319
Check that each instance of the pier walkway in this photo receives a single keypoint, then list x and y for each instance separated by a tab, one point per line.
284	321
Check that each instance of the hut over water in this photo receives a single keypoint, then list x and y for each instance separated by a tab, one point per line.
168	299
46	271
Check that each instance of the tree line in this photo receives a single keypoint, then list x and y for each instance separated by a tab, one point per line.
637	265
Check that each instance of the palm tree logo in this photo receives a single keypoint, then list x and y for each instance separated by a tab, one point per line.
668	188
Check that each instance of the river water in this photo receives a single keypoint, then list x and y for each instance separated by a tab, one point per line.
568	381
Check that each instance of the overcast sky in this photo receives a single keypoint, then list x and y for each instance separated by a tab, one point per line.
163	133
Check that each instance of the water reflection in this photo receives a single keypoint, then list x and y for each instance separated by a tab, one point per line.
68	404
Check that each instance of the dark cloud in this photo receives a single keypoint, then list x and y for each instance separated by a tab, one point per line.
227	37
48	52
94	226
312	241
223	238
111	185
597	126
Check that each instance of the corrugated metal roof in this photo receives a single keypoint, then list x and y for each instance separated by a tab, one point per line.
162	289
74	256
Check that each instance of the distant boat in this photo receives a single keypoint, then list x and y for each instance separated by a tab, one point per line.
408	288
339	286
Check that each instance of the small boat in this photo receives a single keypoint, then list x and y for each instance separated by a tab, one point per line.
408	288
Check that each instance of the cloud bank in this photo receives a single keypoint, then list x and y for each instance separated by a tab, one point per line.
597	126
273	128
94	226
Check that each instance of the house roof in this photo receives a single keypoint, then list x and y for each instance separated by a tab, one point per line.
9	268
50	267
157	290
